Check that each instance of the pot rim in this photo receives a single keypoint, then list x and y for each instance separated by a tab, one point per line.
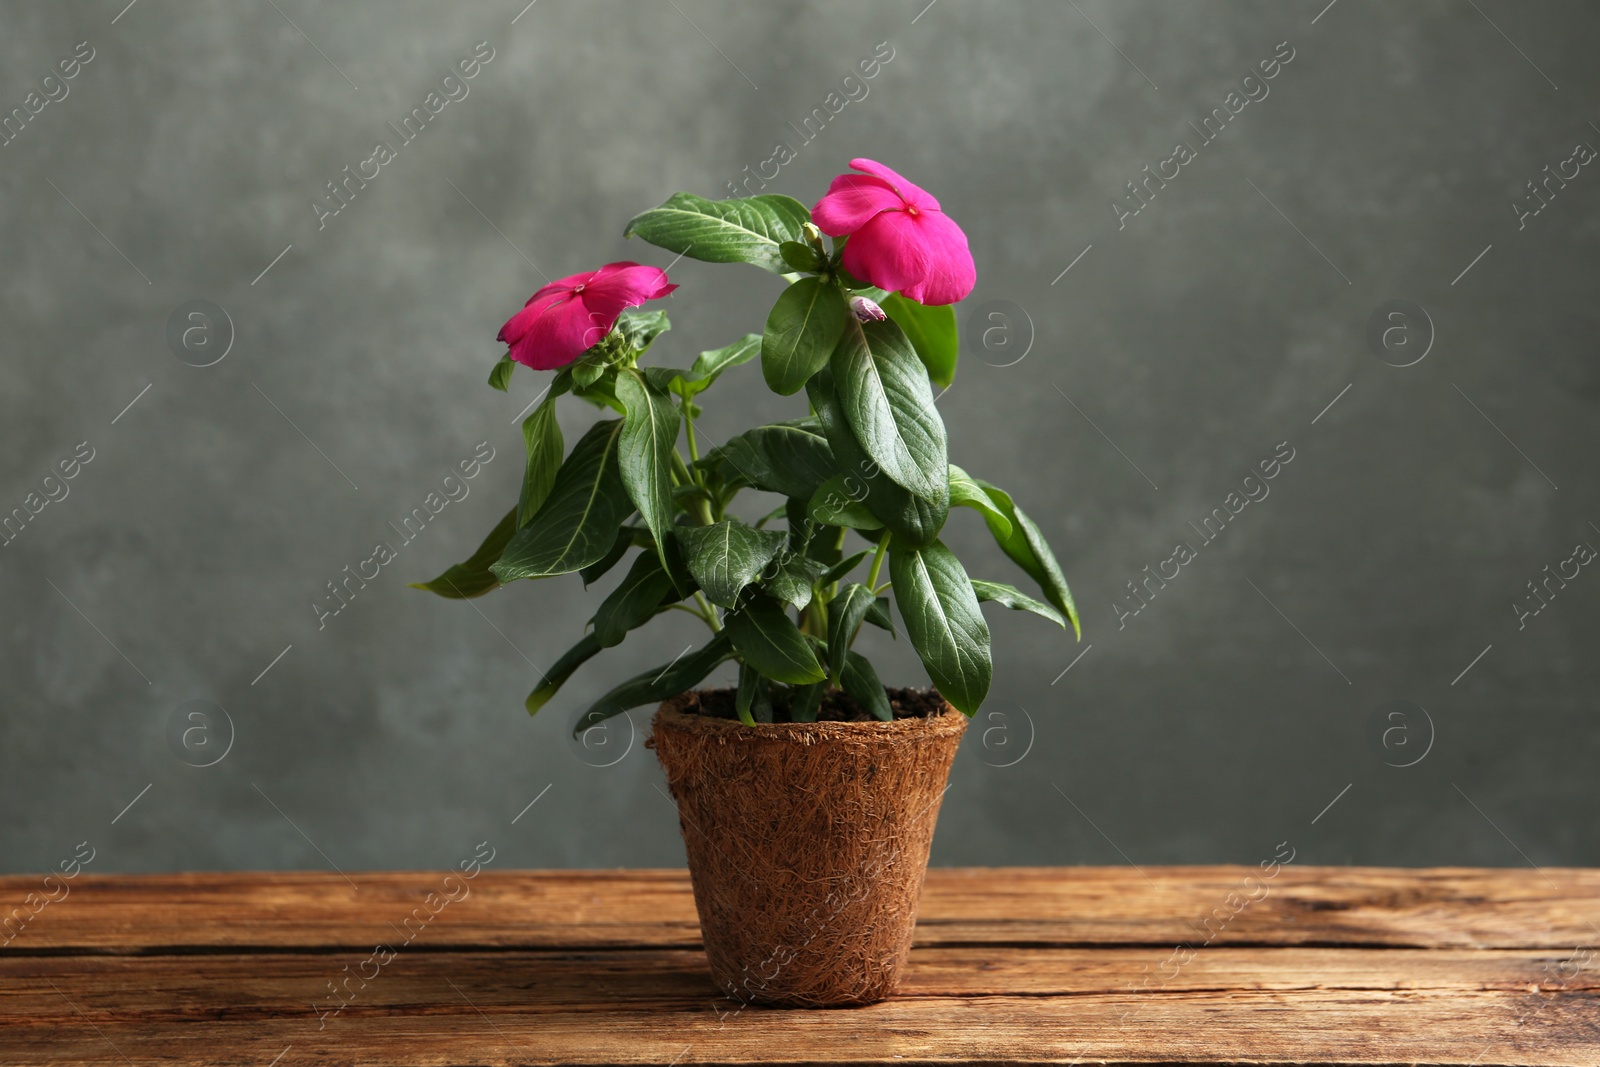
670	716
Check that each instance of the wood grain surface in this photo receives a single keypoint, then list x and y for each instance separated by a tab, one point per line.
1088	965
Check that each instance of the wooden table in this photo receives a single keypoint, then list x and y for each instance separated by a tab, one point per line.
1315	965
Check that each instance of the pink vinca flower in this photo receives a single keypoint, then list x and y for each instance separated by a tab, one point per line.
570	315
899	239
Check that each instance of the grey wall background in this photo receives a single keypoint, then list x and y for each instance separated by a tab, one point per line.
1223	319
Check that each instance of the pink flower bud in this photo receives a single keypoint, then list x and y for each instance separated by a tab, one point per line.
866	310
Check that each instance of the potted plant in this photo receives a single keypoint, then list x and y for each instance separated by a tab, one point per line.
808	794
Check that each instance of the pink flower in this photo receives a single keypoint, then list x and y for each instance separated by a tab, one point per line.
899	239
570	315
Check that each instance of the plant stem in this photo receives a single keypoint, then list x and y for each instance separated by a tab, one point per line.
688	426
877	562
707	612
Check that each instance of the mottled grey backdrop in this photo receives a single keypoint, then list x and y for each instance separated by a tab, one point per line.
1363	611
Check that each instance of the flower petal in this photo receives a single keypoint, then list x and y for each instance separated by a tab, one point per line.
624	285
911	193
517	326
558	334
951	274
851	200
888	251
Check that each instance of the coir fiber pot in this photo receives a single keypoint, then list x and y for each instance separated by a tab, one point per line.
807	843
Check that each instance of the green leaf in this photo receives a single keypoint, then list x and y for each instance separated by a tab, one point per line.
883	389
802	330
932	332
715	361
845	615
542	435
1026	546
966	492
801	257
625	540
786	459
794	580
639	327
944	622
861	682
878	615
577	524
727	556
500	374
805	701
833	504
724	231
656	684
473	578
599	357
753	700
634	602
844	567
575	657
649	435
913	519
1011	597
767	639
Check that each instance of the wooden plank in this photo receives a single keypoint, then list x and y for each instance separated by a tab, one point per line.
1464	907
33	989
1373	1027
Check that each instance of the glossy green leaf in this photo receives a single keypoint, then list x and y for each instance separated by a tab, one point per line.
793	579
802	330
932	332
861	682
500	374
786	459
841	501
1026	546
845	615
727	556
888	404
627	537
541	433
639	328
913	519
745	230
709	365
753	699
634	602
649	436
801	257
657	684
844	566
943	621
806	700
473	577
556	676
966	492
577	524
1010	596
878	615
767	639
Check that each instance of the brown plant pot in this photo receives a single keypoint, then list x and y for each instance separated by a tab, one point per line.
807	843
